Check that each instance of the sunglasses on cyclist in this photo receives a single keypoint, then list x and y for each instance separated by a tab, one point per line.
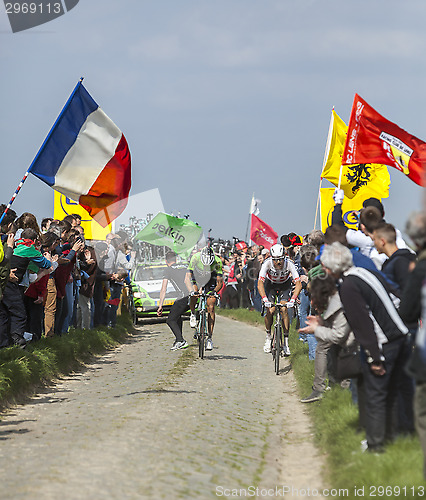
278	259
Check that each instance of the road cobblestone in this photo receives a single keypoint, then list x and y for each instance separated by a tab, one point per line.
146	422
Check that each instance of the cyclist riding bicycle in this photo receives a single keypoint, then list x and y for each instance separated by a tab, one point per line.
276	277
205	270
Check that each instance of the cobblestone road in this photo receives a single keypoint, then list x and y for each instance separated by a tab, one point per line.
145	422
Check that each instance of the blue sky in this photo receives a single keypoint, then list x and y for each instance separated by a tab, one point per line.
218	99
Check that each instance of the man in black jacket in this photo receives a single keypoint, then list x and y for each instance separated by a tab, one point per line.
411	310
377	326
397	269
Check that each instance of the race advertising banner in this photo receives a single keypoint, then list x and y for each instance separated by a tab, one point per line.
350	207
63	206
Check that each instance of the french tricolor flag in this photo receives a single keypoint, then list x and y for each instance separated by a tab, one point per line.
86	157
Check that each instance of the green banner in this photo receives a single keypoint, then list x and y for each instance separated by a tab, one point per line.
180	235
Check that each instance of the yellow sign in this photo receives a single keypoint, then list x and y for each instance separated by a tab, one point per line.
63	206
350	207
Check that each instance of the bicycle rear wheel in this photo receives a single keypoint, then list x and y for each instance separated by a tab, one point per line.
201	334
132	309
277	335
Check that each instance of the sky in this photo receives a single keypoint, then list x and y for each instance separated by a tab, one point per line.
218	99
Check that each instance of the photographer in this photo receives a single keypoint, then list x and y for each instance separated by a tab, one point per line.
252	269
233	287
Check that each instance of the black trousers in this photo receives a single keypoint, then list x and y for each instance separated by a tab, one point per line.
35	317
13	316
174	319
231	297
381	395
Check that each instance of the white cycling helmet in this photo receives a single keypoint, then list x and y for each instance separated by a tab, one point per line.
277	251
207	256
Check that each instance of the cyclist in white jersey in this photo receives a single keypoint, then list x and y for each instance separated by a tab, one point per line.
276	277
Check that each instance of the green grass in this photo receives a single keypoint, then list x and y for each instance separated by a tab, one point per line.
22	371
335	421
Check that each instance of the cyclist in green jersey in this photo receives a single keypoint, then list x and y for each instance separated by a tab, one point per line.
205	273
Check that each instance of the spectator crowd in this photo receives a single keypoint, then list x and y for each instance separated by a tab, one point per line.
52	279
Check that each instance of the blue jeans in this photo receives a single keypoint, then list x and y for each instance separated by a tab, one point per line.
114	300
312	345
257	300
304	309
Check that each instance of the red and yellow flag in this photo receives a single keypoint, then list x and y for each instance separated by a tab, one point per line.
351	178
372	138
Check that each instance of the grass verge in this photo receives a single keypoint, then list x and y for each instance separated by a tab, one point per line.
396	473
22	371
186	358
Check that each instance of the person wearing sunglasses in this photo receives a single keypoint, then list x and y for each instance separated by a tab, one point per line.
276	277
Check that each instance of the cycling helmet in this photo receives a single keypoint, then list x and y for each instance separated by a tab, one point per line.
207	256
277	251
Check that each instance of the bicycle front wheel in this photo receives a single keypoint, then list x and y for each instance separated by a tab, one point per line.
201	334
277	334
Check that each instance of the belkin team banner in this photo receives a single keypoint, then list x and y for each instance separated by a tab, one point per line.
372	138
261	233
180	235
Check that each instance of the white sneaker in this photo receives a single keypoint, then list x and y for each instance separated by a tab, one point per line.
286	350
28	336
179	345
209	345
192	321
268	345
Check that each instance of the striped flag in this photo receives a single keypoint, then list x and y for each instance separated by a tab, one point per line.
86	158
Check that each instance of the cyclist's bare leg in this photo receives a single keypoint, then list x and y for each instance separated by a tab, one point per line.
192	303
211	301
285	319
269	316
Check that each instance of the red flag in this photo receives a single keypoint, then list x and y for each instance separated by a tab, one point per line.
374	139
261	233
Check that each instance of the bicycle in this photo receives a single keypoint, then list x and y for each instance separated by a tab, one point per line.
131	304
202	328
278	336
202	323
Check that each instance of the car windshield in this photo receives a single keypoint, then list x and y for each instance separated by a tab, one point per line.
149	273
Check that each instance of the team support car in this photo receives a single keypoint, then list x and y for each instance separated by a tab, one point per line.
146	283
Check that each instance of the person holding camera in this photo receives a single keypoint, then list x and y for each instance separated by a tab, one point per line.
233	283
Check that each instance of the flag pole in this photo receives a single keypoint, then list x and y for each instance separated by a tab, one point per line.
40	150
249	218
324	161
318	199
